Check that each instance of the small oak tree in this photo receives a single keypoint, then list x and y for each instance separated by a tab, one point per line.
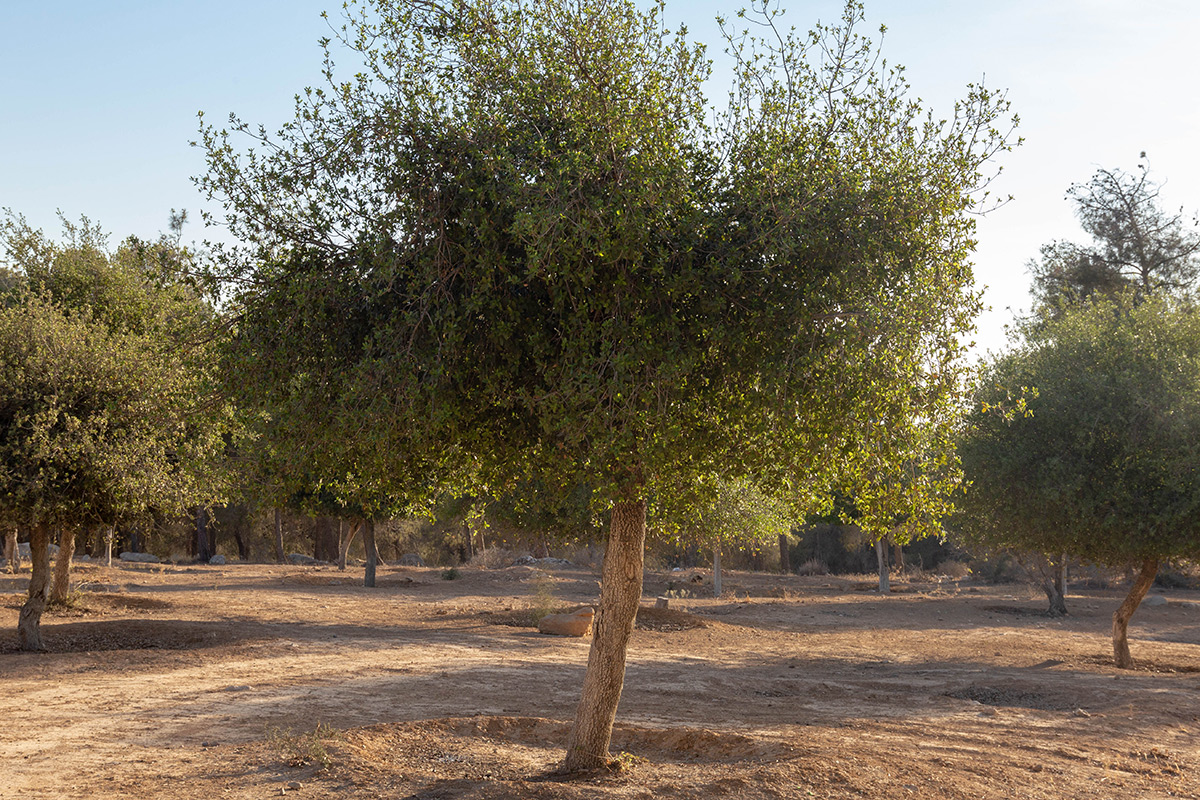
1084	441
104	412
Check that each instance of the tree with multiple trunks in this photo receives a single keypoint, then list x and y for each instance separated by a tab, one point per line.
104	365
1085	441
564	269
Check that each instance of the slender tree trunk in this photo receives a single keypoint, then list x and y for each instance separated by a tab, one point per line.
280	556
881	556
242	548
60	589
469	552
1121	616
620	593
368	527
203	547
785	554
346	542
29	626
897	555
108	544
717	586
12	554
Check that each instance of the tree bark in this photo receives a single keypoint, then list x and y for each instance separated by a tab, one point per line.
12	554
785	554
881	556
368	527
280	556
108	545
717	587
203	547
1054	585
347	540
29	626
60	589
325	540
1121	616
620	593
897	555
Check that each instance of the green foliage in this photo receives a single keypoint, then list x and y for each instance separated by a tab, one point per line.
105	409
451	574
739	514
1101	462
1136	245
515	234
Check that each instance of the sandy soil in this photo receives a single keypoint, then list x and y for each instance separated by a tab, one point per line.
251	681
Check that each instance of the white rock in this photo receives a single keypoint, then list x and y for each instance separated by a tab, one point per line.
218	559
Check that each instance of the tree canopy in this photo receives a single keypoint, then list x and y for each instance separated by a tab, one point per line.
1085	437
565	269
106	409
1136	244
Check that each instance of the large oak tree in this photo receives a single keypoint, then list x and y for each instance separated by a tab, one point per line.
566	270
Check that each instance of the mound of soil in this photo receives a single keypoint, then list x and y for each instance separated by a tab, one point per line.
501	756
129	634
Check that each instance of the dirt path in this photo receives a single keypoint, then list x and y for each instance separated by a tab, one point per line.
239	681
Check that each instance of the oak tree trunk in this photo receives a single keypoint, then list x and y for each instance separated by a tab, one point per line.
347	540
325	540
12	554
717	585
785	554
280	556
881	556
60	589
620	592
368	528
1055	587
1121	616
29	626
203	545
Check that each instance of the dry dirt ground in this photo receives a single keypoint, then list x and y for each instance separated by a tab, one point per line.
252	681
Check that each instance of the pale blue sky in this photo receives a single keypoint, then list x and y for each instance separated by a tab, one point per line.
98	100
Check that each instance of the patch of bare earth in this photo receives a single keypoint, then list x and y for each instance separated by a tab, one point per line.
250	681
